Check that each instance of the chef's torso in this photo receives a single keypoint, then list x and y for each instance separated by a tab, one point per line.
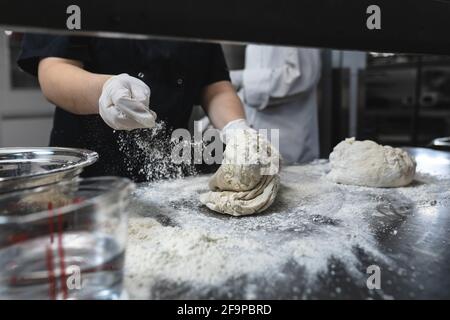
176	73
279	92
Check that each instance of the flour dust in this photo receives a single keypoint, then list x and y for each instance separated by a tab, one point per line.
148	154
179	249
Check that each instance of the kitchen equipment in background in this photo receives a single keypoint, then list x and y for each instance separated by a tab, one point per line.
441	144
26	117
407	99
22	168
392	86
64	241
433	162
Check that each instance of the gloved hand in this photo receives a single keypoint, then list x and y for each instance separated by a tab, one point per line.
247	182
233	128
247	158
124	103
248	145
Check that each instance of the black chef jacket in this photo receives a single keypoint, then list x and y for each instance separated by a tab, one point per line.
176	73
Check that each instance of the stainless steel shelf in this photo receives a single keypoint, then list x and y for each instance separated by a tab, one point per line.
410	26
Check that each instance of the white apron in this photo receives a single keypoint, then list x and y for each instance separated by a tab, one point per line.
279	92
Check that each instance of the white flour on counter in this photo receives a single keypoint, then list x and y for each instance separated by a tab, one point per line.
177	248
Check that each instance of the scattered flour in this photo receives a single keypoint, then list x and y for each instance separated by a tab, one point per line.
148	154
180	249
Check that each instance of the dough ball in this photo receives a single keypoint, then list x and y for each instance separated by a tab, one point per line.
232	177
245	183
246	202
366	163
241	168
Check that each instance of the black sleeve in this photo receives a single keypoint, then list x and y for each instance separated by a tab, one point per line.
218	69
38	46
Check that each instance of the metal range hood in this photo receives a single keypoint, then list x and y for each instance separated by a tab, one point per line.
409	26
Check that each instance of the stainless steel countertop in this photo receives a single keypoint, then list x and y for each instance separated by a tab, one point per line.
419	248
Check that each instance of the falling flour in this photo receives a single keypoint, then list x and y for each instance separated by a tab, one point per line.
179	249
148	154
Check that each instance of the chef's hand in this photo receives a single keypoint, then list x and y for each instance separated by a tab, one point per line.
248	157
248	147
124	103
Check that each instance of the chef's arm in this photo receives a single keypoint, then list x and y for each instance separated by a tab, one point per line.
221	103
66	84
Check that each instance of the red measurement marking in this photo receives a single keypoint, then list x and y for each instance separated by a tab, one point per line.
77	200
17	238
61	256
50	220
13	281
51	273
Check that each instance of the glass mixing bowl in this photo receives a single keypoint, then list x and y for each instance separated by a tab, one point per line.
64	241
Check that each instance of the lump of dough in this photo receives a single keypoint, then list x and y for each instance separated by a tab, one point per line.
235	177
244	202
241	185
366	163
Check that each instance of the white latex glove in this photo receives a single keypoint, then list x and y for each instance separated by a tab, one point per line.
234	127
247	148
124	103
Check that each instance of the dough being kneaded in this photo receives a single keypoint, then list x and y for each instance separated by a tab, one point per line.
366	163
239	203
242	185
